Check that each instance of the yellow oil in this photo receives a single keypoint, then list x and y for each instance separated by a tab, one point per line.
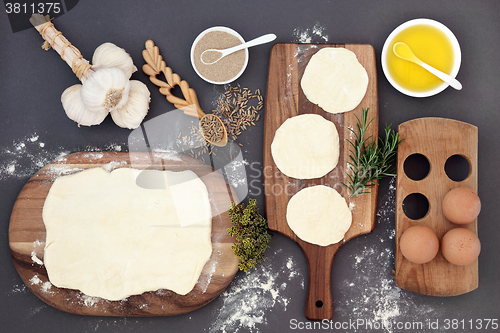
429	44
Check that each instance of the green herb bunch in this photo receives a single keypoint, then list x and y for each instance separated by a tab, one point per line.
368	161
250	229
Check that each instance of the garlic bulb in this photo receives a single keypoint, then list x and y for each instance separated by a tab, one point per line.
132	113
105	85
106	89
76	110
109	55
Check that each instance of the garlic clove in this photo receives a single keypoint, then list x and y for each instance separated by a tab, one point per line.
131	114
105	89
109	55
76	110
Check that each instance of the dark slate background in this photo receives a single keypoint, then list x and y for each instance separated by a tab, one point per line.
34	130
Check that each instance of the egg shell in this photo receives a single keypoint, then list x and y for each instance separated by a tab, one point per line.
461	205
460	246
419	244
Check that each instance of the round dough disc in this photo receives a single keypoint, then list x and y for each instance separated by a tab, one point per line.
319	215
335	80
306	147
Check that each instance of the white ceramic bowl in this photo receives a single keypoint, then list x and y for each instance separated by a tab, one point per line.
456	51
225	29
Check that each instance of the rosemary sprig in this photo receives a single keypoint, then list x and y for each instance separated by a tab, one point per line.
250	229
369	162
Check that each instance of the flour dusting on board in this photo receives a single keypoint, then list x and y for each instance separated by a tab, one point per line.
46	287
89	300
35	280
310	35
113	165
251	296
35	258
170	155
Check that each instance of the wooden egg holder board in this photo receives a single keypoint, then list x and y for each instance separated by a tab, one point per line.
437	139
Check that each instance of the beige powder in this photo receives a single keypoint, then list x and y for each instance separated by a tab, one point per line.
226	68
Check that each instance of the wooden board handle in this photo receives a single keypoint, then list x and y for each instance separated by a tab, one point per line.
319	300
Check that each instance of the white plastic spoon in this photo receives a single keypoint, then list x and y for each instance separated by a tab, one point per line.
404	52
213	55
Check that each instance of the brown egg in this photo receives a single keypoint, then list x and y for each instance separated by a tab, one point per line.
461	205
419	244
460	246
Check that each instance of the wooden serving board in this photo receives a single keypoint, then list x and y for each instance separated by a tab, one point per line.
437	139
285	99
27	237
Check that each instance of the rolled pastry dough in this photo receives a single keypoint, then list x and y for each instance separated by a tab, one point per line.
335	80
306	146
110	238
319	215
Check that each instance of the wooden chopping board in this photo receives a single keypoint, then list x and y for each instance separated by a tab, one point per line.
437	139
27	238
285	99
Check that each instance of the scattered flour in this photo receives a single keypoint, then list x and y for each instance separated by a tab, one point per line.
170	155
114	147
251	296
57	170
236	174
94	155
27	155
37	247
18	289
81	298
90	300
35	280
113	165
377	299
11	169
22	159
290	264
34	311
205	279
310	35
62	156
46	286
35	258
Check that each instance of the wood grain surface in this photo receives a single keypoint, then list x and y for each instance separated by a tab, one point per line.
437	139
285	99
27	238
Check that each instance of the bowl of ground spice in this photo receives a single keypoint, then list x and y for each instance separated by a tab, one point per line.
227	69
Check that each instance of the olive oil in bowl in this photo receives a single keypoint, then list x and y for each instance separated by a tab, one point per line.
430	41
